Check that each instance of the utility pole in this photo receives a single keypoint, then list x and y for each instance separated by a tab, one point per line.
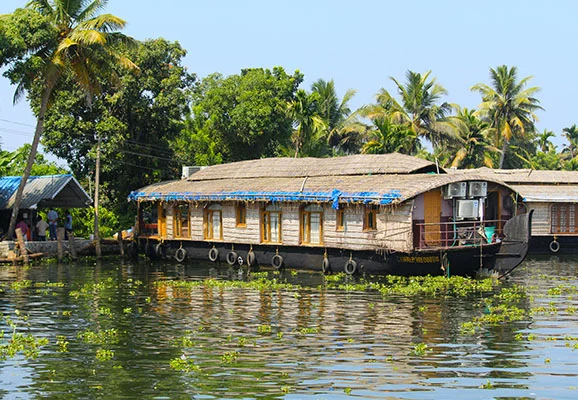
97	248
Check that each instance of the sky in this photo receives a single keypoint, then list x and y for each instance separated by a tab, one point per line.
360	45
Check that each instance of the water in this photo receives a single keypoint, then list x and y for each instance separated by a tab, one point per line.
214	341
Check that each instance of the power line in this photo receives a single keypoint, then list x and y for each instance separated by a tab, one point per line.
16	123
16	132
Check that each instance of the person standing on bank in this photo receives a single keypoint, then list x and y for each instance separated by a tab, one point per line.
67	224
41	227
52	223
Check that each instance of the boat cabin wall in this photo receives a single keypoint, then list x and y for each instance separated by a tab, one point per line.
347	228
549	219
435	207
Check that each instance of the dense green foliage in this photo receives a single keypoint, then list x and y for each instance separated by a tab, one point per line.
137	120
238	117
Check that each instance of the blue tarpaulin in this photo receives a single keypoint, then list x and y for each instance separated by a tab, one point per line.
334	197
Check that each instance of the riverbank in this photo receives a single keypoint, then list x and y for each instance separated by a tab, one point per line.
10	253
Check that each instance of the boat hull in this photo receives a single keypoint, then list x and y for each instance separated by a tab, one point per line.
500	257
455	261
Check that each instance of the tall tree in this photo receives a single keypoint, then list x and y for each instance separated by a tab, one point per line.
544	142
419	109
76	42
239	117
571	135
138	122
309	136
508	106
334	112
477	149
387	137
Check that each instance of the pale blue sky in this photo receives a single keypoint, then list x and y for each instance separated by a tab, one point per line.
359	44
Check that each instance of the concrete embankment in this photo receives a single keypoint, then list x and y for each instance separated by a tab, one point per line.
82	247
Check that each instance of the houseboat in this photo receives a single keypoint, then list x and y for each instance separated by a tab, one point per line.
553	195
377	214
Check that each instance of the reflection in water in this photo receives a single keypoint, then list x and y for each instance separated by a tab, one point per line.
305	340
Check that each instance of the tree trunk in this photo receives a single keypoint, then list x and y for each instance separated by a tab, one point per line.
97	248
504	150
30	162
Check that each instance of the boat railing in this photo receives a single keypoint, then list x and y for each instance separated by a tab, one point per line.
457	233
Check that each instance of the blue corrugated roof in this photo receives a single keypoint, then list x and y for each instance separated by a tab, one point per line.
8	186
50	190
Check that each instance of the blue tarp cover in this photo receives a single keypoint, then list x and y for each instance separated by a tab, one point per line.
334	197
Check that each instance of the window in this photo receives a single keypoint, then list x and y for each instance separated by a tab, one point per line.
241	215
563	218
182	220
213	222
271	224
340	220
370	218
312	225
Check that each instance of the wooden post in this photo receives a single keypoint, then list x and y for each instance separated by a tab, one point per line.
72	245
22	246
60	244
120	243
97	248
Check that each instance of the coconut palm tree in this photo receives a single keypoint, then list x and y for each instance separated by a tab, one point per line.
388	137
309	135
544	142
418	110
571	135
508	106
477	150
84	45
334	112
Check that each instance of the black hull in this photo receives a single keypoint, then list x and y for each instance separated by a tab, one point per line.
500	257
455	261
567	244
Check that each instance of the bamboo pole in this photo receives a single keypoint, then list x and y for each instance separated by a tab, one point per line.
22	246
97	248
60	244
72	245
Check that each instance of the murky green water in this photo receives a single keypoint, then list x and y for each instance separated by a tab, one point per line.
135	330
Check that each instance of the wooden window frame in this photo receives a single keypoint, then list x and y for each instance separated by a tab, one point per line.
340	220
563	218
177	223
305	228
370	218
266	226
208	223
241	214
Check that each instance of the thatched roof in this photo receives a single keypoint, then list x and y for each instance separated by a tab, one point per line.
361	164
524	176
534	185
375	189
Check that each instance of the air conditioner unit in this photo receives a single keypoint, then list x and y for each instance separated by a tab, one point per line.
477	189
467	209
456	189
188	171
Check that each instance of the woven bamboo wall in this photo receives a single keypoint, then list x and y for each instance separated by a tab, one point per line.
393	227
540	219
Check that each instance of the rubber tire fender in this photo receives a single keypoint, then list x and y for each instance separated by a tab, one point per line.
554	246
350	267
251	258
232	257
277	261
326	265
213	254
180	254
159	250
